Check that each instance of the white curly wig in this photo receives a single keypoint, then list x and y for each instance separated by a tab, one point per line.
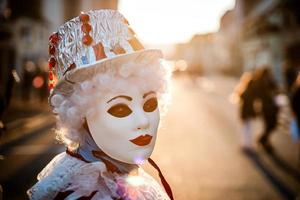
71	110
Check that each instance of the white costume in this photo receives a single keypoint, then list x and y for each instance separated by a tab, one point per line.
67	173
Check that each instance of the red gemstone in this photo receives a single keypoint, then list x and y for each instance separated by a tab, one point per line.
53	39
50	76
86	28
51	86
52	62
51	50
50	66
87	40
84	17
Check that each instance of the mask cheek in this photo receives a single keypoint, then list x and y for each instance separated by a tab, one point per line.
118	128
154	121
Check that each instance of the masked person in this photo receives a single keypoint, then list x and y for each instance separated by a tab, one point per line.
107	100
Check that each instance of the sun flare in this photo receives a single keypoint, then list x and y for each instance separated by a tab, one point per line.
173	21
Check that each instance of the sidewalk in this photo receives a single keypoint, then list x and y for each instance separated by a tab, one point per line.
19	109
23	119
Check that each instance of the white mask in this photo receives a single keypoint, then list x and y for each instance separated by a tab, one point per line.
124	126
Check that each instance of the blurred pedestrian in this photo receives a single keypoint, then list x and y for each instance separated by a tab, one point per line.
1	193
266	92
246	94
295	99
290	74
295	104
7	81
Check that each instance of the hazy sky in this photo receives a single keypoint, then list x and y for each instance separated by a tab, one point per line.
170	21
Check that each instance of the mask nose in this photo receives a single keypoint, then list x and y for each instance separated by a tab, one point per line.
142	121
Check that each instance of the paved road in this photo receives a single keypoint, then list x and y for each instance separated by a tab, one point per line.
197	150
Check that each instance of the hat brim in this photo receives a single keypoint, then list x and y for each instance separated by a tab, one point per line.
85	72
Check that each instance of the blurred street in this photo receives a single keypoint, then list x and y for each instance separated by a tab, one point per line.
25	147
197	149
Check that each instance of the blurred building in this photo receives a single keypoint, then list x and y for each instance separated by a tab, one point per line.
229	55
23	38
268	30
196	52
34	20
214	52
25	27
253	34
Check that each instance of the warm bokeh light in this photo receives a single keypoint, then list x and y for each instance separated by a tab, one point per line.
172	21
38	82
181	65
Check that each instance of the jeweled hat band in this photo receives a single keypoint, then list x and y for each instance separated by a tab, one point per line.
88	39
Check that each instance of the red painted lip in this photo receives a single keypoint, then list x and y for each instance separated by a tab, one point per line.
142	140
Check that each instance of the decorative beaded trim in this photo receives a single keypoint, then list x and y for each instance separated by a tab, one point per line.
86	28
53	41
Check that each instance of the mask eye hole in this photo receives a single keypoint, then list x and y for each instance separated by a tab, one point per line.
120	110
150	105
